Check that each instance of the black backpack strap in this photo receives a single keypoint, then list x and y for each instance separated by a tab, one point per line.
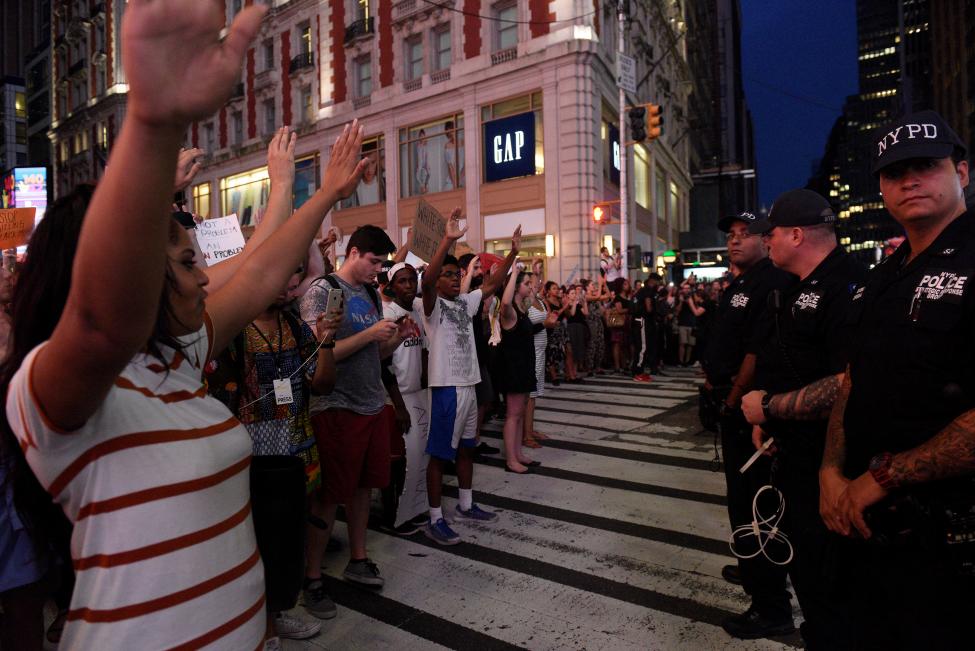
373	294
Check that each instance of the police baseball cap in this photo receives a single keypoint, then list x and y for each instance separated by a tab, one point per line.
724	224
795	208
924	134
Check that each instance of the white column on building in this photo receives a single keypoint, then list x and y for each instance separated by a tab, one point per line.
473	161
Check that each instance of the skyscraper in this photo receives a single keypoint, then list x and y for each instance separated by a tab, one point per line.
894	52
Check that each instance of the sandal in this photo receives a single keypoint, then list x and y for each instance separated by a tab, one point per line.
538	436
529	442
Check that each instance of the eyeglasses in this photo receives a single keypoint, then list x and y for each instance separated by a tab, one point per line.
450	274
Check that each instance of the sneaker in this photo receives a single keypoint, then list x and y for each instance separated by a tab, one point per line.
408	528
363	572
642	377
295	628
316	600
272	644
484	448
752	625
475	513
731	574
441	533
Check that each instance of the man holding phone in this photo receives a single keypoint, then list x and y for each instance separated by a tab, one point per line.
352	441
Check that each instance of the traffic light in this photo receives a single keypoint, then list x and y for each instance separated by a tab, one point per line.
598	214
638	123
655	121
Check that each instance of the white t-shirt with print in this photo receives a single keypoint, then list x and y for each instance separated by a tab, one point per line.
407	364
450	340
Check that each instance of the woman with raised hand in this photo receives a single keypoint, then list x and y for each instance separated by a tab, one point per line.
107	403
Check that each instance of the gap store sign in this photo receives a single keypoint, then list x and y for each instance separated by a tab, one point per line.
509	147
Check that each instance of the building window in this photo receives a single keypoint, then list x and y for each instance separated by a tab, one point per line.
514	106
432	157
100	81
362	9
237	123
363	76
307	175
201	200
235	7
20	105
441	47
307	109
270	122
65	151
209	138
268	48
244	194
414	57
372	188
304	44
103	135
674	221
660	196
641	176
62	104
507	29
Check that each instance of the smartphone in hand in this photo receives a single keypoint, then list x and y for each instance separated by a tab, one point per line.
335	302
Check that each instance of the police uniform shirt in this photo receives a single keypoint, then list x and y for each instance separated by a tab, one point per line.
804	337
913	357
739	311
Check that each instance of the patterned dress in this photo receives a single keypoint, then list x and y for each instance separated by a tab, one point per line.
536	316
558	337
597	340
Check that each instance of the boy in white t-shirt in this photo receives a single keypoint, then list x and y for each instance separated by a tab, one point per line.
453	372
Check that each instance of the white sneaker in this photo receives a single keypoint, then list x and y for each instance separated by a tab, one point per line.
272	644
295	628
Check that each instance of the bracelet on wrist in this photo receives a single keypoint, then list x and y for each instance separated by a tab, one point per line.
328	344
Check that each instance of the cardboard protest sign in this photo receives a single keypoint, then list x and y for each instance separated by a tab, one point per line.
219	238
429	227
16	225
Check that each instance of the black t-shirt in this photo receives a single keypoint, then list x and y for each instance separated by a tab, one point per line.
685	315
739	313
912	362
803	337
640	300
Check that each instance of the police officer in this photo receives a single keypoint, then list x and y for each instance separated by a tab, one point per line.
900	451
729	377
800	357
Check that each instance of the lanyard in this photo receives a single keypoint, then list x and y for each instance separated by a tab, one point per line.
274	355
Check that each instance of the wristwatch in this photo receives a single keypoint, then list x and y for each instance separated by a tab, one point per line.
879	469
766	401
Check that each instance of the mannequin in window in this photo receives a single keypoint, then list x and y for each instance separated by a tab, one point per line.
453	158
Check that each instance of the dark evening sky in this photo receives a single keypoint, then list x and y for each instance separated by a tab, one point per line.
799	62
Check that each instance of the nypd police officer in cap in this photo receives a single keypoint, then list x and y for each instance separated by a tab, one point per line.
729	377
800	356
897	471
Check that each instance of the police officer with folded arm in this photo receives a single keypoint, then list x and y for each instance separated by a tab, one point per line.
729	376
800	356
897	472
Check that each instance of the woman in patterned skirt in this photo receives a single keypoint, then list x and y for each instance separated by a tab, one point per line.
538	314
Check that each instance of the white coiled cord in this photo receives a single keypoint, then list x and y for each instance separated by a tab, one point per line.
765	531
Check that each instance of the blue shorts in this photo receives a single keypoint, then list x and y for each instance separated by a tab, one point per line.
453	421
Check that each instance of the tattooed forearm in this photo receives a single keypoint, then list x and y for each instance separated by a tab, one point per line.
951	453
834	456
811	402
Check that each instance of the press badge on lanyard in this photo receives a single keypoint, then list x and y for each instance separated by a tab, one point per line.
282	392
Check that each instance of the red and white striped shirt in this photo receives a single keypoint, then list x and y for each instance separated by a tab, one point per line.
157	486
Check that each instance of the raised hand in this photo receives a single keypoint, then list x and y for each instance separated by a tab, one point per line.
187	168
516	240
454	231
281	157
346	164
177	68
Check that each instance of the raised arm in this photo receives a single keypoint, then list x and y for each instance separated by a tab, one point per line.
468	279
119	268
430	277
261	276
403	250
493	281
508	315
281	173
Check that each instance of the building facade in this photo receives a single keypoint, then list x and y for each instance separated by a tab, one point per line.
87	88
508	110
